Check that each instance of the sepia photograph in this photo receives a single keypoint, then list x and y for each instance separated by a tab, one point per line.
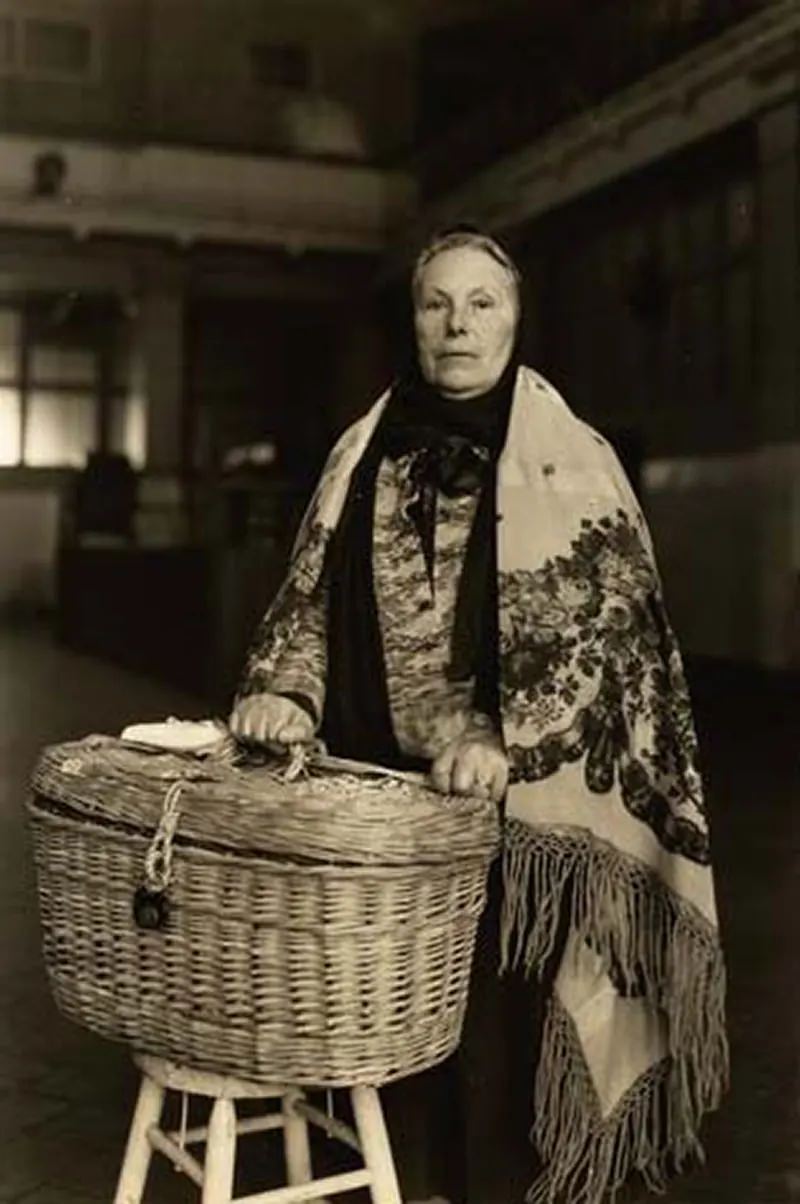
399	601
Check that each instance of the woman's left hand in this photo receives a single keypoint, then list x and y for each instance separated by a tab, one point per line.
472	765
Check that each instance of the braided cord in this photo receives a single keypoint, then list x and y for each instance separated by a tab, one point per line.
158	862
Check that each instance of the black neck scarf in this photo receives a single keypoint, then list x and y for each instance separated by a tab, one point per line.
454	446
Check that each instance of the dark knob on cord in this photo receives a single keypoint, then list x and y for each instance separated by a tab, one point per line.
150	908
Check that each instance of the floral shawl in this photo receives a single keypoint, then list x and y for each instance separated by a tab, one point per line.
604	813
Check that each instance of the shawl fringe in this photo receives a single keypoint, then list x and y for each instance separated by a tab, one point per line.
659	948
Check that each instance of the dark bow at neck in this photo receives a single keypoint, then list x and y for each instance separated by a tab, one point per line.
454	445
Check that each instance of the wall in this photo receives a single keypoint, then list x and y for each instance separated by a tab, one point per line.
669	308
206	92
109	102
27	561
180	71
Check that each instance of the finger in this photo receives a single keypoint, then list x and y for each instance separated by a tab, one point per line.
264	724
441	771
288	731
246	723
245	718
290	724
462	782
466	777
473	770
500	780
296	732
275	724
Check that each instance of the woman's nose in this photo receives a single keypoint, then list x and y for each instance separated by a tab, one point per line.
456	320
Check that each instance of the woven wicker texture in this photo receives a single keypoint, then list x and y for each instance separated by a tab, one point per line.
359	818
292	952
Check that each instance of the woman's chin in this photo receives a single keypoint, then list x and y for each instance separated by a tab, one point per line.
460	382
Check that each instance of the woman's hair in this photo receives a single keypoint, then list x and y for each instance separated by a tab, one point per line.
463	236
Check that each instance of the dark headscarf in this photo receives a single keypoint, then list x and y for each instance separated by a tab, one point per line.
455	445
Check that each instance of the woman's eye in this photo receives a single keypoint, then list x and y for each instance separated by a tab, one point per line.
434	303
483	303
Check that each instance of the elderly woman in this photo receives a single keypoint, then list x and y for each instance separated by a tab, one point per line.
472	594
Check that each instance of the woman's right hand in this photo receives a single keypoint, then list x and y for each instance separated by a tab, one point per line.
272	720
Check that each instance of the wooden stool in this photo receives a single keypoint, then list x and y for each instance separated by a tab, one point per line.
215	1175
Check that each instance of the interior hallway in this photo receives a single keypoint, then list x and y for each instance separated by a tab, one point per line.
65	1095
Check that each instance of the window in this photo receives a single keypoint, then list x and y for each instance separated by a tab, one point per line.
62	365
7	41
10	428
62	391
128	428
60	429
10	405
57	48
38	46
10	336
281	65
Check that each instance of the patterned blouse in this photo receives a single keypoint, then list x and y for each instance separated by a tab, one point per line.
415	614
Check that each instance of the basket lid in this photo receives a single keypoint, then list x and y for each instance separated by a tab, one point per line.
333	811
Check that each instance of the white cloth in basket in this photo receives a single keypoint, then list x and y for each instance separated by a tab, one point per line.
178	735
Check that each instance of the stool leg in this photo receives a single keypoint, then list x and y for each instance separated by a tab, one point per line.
295	1142
220	1154
138	1151
375	1145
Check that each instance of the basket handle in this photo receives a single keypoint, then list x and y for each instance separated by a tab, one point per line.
150	905
313	755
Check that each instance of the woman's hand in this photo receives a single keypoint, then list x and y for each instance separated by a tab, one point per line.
475	764
272	720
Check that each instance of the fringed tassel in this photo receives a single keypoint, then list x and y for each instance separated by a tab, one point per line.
666	953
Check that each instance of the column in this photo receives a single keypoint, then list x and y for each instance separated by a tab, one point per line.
159	374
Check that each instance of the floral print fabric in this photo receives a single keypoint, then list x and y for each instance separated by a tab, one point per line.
415	615
589	659
605	831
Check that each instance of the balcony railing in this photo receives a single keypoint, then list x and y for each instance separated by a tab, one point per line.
569	58
189	196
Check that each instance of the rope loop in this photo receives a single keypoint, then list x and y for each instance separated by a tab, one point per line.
158	860
300	757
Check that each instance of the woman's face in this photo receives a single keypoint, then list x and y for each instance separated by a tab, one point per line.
465	317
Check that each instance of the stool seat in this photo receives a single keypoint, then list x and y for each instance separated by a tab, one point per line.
215	1175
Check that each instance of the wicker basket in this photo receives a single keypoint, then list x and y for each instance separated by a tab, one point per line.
318	932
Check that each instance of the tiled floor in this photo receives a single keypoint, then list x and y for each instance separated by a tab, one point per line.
65	1095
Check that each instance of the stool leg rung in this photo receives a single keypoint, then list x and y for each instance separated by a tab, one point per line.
332	1185
189	1137
248	1124
180	1159
332	1126
260	1124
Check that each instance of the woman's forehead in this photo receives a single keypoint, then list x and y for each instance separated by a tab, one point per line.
464	268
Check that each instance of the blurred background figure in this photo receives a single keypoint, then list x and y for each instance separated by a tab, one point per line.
105	497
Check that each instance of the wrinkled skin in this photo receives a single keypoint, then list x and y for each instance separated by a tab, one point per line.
465	319
474	765
271	720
